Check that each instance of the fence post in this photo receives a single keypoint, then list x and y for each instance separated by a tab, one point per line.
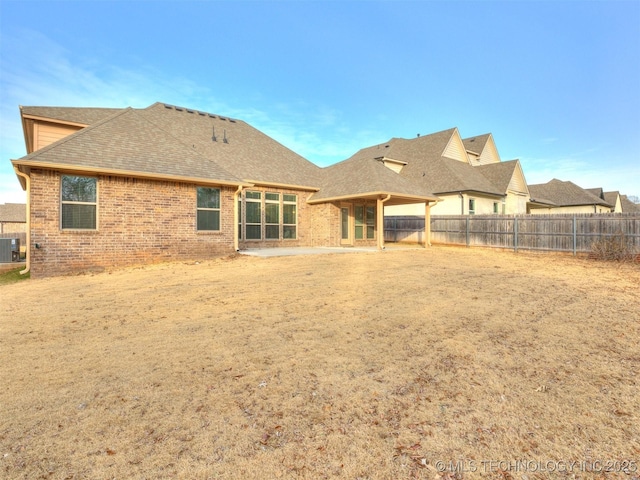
575	236
515	234
468	239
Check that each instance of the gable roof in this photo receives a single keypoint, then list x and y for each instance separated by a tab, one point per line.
559	193
476	144
127	143
172	142
501	174
427	165
611	197
13	212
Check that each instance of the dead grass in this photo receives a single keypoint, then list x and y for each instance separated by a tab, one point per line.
355	366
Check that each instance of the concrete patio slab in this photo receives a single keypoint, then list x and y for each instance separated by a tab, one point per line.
289	251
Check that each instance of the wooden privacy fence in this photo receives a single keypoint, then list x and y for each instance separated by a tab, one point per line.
560	233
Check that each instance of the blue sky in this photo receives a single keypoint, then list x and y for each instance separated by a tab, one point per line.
556	83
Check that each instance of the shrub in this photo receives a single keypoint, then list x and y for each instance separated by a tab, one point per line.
617	248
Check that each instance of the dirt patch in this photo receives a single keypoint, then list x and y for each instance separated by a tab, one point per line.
369	366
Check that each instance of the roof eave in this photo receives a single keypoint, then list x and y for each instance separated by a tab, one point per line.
373	195
129	173
282	185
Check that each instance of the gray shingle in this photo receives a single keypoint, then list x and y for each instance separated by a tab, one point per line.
559	193
13	212
81	115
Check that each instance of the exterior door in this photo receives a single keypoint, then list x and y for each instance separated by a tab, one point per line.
346	220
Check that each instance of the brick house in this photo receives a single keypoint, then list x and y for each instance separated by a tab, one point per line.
117	187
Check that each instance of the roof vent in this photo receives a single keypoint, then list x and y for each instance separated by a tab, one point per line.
214	135
212	116
168	106
418	135
189	110
225	140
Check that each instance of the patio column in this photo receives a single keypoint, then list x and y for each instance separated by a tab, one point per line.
380	220
427	224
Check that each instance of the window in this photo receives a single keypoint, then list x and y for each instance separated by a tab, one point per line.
272	216
289	216
365	221
253	215
208	209
472	206
496	208
78	202
370	220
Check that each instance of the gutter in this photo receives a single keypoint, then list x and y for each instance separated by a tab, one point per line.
27	180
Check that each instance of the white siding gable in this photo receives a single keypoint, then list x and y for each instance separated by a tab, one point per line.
489	153
518	182
455	148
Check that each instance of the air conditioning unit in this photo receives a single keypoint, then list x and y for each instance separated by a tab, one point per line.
9	250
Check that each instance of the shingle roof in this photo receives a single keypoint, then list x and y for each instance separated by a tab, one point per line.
628	206
167	140
13	212
427	167
500	173
476	144
611	197
362	176
248	153
128	142
81	115
559	193
598	192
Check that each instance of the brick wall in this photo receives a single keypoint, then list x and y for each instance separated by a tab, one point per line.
139	221
325	225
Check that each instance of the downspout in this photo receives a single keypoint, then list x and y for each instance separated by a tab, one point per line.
381	221
27	180
461	203
236	218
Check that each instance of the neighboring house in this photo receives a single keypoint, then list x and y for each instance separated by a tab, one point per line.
628	206
13	218
467	175
613	198
559	196
115	187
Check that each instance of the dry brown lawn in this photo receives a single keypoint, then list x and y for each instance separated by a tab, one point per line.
437	363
